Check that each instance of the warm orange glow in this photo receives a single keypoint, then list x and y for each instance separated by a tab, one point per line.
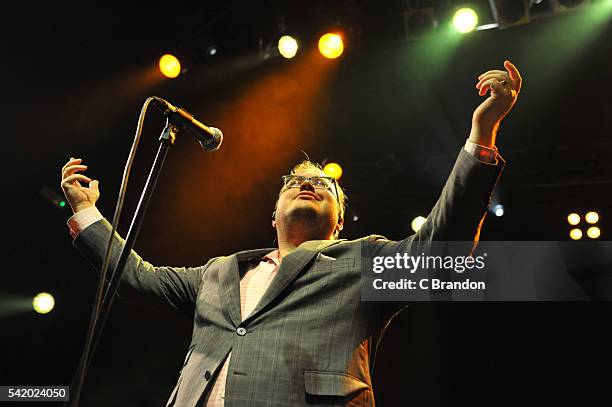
333	170
331	45
274	117
169	66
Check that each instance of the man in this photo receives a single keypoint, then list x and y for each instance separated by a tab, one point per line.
285	326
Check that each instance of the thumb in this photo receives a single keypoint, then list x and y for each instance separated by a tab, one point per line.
94	184
514	74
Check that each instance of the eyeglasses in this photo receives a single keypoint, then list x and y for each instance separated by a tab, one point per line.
319	182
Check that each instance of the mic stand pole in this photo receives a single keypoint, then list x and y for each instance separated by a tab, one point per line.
166	140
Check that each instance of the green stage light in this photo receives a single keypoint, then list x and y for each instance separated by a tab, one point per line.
465	20
43	303
565	39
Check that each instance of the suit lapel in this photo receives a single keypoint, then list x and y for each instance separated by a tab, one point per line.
229	283
291	266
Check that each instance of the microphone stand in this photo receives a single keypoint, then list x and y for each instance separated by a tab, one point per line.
166	140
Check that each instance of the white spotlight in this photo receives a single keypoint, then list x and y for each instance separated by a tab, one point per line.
498	210
417	223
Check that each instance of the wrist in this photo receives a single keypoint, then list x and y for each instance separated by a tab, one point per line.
483	135
82	206
83	219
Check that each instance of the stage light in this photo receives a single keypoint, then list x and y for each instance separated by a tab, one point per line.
287	46
52	197
43	303
355	218
560	6
169	66
498	210
511	12
417	223
575	234
465	20
419	22
593	232
591	217
212	50
331	45
573	219
333	170
571	3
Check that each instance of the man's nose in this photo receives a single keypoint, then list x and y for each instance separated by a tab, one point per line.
307	186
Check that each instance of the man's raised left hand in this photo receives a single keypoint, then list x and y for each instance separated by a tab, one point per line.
503	88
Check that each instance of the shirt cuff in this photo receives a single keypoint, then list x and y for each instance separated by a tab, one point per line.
82	219
481	153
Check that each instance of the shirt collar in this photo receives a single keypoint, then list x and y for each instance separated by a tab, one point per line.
273	257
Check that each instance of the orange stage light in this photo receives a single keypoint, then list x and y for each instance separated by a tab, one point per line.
169	66
331	45
333	170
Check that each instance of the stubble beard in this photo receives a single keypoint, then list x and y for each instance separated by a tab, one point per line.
308	223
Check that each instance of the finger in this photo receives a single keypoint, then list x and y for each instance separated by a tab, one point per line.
492	84
494	71
74	178
501	77
515	76
72	161
72	169
484	87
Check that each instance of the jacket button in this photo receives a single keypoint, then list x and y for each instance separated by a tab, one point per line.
241	331
207	375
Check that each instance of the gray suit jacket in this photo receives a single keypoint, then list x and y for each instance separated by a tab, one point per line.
310	340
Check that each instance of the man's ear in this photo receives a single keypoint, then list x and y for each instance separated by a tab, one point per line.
339	226
274	219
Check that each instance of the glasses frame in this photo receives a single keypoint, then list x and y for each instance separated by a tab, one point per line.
284	178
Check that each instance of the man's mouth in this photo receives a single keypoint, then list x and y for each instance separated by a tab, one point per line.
307	194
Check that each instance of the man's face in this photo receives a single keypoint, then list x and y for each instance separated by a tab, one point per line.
308	202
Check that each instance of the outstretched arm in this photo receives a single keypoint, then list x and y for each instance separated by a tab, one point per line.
459	212
176	287
173	286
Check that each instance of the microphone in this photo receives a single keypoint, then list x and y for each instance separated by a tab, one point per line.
210	138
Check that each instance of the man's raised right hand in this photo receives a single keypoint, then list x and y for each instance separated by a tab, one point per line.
78	196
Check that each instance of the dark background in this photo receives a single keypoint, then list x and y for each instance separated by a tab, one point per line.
393	112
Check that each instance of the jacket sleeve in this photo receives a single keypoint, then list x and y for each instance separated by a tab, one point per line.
176	287
460	210
457	216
